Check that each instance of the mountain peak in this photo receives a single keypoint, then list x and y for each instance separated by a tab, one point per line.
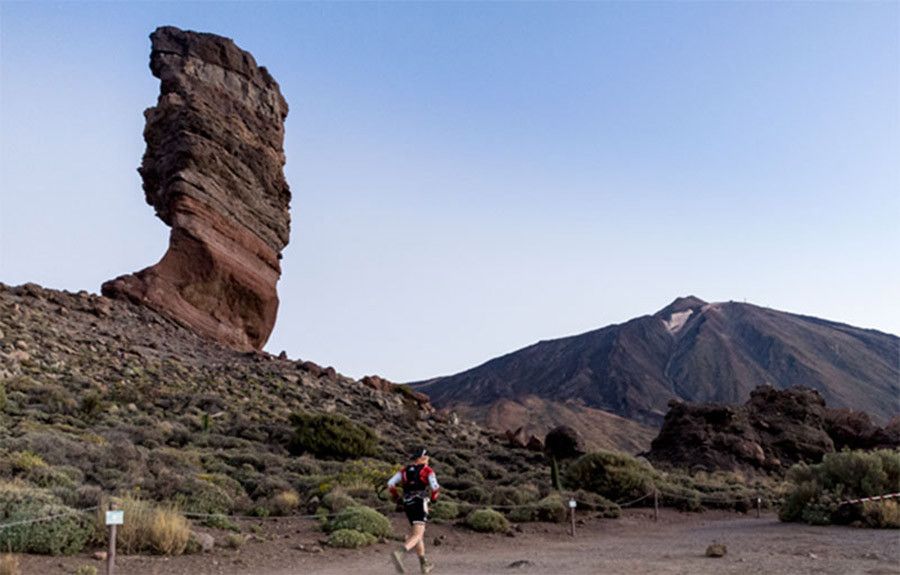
681	304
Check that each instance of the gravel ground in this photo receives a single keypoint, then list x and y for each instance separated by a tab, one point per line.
633	544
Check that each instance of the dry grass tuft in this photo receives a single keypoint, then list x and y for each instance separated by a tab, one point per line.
9	564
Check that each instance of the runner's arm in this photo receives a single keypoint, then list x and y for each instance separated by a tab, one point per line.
435	487
392	484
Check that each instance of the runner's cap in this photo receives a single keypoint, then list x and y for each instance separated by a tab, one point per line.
420	452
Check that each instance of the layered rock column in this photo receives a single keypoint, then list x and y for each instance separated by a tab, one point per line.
213	171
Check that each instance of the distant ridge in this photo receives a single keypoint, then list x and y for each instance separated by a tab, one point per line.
690	350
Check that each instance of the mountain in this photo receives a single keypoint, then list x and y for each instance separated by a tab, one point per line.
690	350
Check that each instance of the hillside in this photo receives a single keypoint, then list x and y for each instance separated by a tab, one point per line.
104	396
692	351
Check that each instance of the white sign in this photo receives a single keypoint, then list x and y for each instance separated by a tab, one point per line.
115	517
572	503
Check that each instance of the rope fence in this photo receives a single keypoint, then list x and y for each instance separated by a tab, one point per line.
389	509
874	498
46	518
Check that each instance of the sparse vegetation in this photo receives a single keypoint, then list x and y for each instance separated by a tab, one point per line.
818	490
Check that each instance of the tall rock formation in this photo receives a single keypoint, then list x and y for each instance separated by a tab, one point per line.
213	171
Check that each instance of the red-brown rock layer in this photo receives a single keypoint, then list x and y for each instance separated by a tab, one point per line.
213	171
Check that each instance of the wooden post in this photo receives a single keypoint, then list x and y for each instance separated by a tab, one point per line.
111	555
655	504
572	515
758	505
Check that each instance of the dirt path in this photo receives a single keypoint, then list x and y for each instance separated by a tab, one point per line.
632	544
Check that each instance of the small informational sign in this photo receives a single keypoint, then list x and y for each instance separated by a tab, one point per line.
115	517
572	503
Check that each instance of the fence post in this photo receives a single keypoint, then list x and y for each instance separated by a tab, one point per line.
111	555
655	504
572	505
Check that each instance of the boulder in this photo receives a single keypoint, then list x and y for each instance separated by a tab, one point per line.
213	172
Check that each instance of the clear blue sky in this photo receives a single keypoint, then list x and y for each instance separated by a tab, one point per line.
471	178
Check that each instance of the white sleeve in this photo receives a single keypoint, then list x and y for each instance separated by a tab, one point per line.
432	481
393	481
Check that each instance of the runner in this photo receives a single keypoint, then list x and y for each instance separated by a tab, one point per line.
416	479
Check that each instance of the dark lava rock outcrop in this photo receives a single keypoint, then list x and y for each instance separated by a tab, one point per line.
772	431
213	171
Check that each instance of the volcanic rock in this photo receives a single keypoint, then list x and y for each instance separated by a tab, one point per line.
772	431
213	171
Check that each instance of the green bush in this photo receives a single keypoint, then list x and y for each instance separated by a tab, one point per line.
487	521
593	502
474	495
331	436
551	509
444	510
817	490
337	499
508	496
350	539
63	535
615	476
361	518
218	521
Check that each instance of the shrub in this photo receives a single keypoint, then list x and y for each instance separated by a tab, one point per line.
817	490
169	532
234	541
220	522
487	521
62	535
350	539
86	570
474	495
588	501
285	503
202	495
506	496
331	436
361	518
152	529
336	500
551	509
615	476
444	510
881	514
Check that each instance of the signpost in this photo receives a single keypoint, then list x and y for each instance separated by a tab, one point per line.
572	505
113	517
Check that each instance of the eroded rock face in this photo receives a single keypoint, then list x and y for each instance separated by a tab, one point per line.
772	431
213	171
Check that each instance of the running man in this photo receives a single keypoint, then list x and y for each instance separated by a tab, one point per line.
417	479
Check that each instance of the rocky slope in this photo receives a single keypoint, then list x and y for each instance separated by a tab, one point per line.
212	170
104	395
690	351
773	430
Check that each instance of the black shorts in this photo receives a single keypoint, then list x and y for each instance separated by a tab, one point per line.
416	510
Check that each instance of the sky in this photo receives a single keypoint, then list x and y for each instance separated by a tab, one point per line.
470	178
